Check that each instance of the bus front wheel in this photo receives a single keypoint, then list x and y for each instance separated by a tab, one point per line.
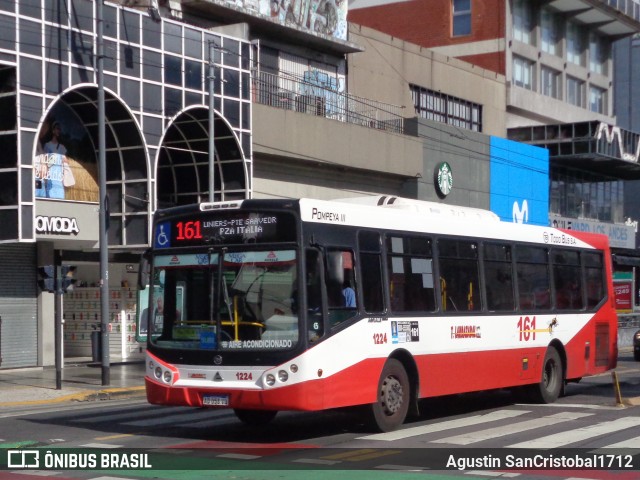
393	397
255	417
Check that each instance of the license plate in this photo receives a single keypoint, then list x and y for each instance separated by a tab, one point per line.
215	400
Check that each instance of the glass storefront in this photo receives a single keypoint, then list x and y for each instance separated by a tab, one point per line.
583	194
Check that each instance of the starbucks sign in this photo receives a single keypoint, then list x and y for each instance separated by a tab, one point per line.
443	179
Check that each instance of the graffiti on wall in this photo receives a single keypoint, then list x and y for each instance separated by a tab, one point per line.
324	88
327	17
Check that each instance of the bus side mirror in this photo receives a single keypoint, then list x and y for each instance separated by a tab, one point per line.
335	269
144	270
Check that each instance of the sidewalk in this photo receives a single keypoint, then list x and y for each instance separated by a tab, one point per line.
81	381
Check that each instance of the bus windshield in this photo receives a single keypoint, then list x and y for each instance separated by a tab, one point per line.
229	300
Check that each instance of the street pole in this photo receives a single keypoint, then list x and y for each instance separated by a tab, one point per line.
212	152
57	281
104	202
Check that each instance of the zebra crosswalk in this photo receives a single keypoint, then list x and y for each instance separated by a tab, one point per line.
572	437
517	426
215	434
445	425
565	429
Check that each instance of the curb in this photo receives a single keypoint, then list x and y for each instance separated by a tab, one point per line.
631	402
84	396
110	394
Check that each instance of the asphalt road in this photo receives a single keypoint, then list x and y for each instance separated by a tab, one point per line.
299	445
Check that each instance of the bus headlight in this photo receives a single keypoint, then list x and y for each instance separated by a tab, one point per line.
293	368
283	376
159	371
270	380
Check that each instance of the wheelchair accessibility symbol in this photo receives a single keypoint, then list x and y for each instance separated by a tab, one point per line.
162	239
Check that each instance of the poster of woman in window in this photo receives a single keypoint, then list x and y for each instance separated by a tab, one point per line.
65	164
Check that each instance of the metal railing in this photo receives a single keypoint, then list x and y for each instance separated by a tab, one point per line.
314	98
628	325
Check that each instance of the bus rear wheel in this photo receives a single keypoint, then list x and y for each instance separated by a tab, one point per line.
551	383
393	397
255	417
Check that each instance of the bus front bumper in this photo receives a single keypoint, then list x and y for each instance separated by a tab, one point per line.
304	396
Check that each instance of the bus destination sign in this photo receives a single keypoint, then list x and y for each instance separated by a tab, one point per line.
225	227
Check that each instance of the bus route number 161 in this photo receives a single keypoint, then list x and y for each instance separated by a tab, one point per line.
527	328
189	230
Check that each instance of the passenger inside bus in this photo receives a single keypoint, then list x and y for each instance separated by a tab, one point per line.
342	296
349	294
339	285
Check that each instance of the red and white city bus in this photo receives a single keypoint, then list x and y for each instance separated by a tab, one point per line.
268	305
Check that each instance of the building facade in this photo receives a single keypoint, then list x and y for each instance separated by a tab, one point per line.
558	63
626	61
156	116
556	56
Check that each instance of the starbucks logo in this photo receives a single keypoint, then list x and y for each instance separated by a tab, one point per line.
444	179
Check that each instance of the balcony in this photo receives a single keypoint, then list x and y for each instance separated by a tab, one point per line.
318	94
597	146
298	120
612	18
630	8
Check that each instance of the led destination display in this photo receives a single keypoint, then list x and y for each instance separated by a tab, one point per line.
227	228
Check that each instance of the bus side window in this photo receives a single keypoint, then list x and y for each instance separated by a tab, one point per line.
459	275
341	287
594	278
532	264
567	279
499	277
411	282
373	299
370	246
